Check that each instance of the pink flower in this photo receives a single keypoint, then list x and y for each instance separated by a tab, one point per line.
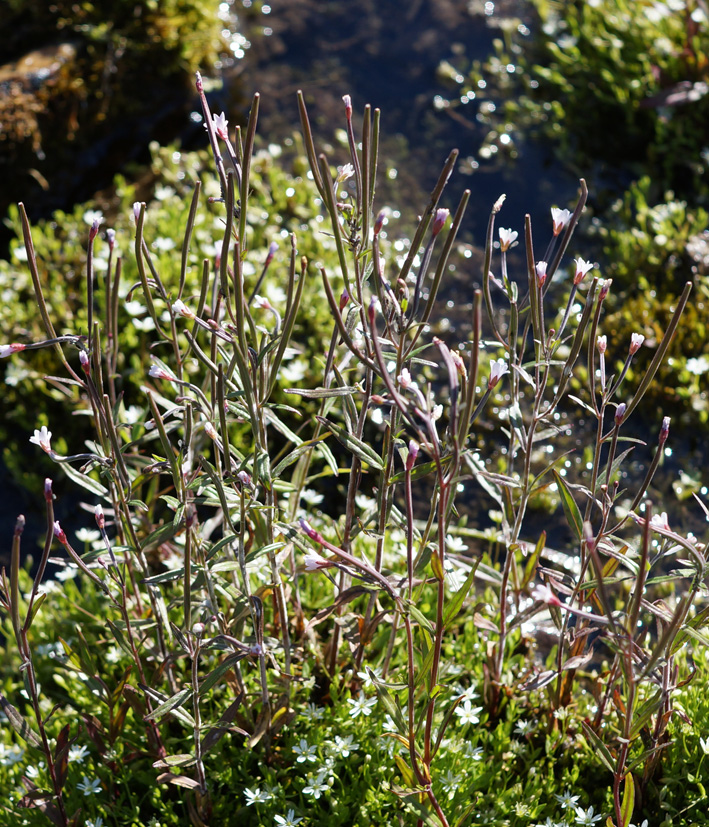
507	238
636	340
314	561
43	438
158	373
181	308
545	594
220	124
405	380
498	369
8	350
560	218
582	267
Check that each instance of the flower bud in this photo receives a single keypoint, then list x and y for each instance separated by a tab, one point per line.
198	82
605	287
210	430
411	456
344	298
8	350
619	414
379	222
244	479
48	496
84	359
59	533
306	528
111	238
100	519
664	430
439	220
272	249
93	232
541	273
221	126
636	340
601	344
348	106
137	205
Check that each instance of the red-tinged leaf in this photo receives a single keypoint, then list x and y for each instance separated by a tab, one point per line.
182	760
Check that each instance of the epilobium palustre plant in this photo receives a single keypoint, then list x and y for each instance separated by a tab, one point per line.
226	615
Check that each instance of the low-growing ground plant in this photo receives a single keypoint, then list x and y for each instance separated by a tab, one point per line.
280	616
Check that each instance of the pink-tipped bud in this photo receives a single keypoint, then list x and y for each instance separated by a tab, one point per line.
411	456
210	430
198	82
344	299
137	205
372	309
541	273
439	220
314	561
306	528
111	239
84	359
605	287
48	496
198	629
273	248
602	344
348	106
582	267
99	516
619	414
93	232
379	222
559	218
636	340
59	533
664	430
8	350
404	379
244	479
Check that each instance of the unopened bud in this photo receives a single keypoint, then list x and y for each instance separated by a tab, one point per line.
100	519
59	533
411	456
344	298
244	479
602	344
111	238
619	414
210	430
379	222
93	232
439	220
198	82
273	247
48	496
348	106
198	629
605	287
136	210
84	359
664	430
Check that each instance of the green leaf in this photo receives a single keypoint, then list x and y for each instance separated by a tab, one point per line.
219	671
320	393
18	723
172	705
599	747
628	804
454	605
360	449
531	567
84	481
573	515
